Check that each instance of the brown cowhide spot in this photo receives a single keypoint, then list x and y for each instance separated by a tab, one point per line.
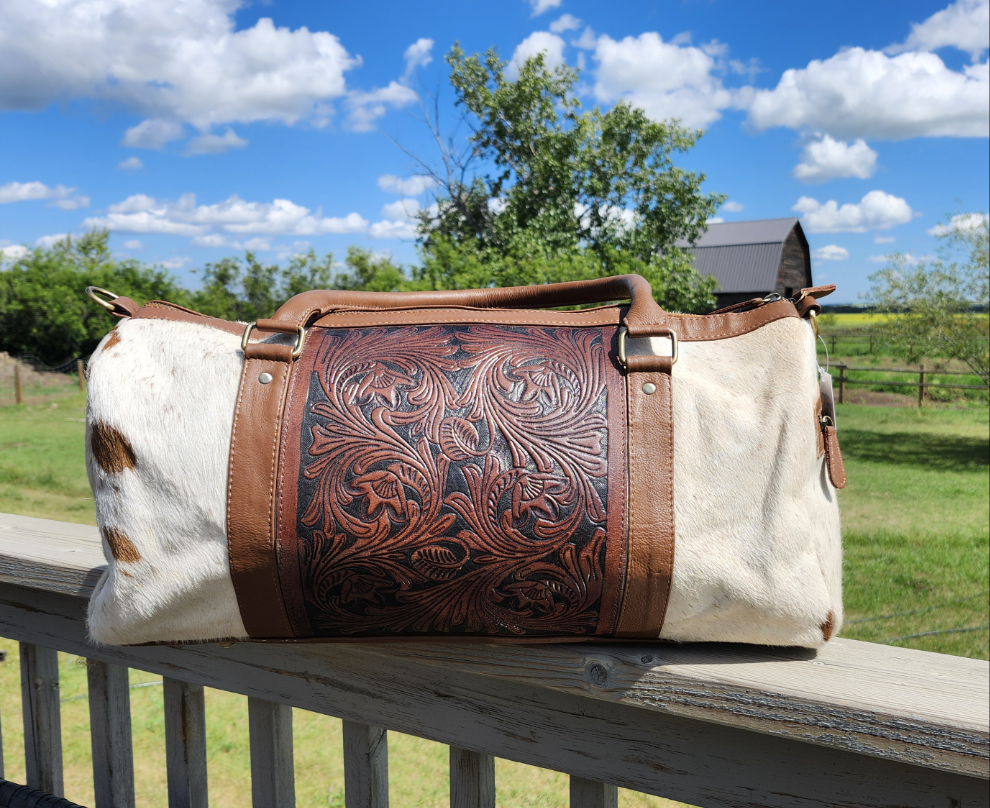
121	547
828	627
114	340
111	450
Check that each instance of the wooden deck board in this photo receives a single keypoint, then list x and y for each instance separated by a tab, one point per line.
910	706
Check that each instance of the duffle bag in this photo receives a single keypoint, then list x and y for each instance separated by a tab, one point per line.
471	464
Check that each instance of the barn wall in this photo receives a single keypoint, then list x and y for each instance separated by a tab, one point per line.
795	267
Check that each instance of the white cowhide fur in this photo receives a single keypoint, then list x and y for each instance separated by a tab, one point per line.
757	554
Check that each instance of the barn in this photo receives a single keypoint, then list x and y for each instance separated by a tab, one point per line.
753	259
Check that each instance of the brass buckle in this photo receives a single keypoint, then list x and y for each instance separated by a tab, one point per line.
814	321
624	332
94	291
296	349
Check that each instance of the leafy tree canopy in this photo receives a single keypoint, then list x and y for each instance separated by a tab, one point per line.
548	191
44	309
939	307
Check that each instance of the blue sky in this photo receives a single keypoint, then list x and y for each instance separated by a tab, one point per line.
195	129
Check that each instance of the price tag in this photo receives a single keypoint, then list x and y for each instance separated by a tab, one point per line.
828	398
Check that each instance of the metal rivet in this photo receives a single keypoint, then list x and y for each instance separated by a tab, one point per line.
265	378
649	388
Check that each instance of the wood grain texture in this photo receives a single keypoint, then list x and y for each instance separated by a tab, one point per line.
365	765
697	762
591	794
185	744
273	779
42	718
55	556
472	779
110	735
911	706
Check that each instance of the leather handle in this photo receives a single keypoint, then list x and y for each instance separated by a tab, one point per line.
642	319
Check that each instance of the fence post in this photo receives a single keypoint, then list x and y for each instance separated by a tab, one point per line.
842	383
80	369
18	392
833	345
921	386
871	344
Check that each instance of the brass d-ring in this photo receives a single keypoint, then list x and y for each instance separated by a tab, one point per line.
95	291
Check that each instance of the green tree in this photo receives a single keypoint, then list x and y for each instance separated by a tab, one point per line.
44	309
369	272
548	191
248	290
938	308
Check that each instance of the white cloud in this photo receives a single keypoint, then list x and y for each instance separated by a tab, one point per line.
47	242
664	79
587	41
132	244
13	252
167	62
541	6
176	263
406	186
907	258
733	207
417	55
567	22
831	252
550	45
393	229
400	220
215	144
826	158
875	211
715	220
131	164
866	94
152	134
58	196
365	108
143	214
961	222
884	239
964	25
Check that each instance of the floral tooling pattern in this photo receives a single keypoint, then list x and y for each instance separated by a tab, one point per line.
453	480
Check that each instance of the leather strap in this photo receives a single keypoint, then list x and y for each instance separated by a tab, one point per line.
643	312
160	310
833	456
251	484
650	564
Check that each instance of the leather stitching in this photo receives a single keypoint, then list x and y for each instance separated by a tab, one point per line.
230	475
283	377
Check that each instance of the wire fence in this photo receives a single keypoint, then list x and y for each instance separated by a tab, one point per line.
27	379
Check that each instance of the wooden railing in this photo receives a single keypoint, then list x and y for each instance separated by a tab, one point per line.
854	724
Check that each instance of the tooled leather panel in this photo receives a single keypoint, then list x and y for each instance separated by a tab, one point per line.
455	479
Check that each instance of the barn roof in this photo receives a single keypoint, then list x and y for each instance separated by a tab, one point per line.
743	256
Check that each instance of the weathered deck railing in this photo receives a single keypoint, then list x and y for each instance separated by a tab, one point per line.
854	725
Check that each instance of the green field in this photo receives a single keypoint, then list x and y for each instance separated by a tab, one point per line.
915	524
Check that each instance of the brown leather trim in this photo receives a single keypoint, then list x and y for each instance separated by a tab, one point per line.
833	457
356	318
251	481
160	310
642	311
617	549
689	327
651	505
286	545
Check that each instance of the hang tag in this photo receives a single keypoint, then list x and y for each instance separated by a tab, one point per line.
828	398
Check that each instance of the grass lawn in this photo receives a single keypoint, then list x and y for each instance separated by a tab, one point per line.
915	524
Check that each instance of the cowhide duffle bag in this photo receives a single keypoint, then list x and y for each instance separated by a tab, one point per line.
465	465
